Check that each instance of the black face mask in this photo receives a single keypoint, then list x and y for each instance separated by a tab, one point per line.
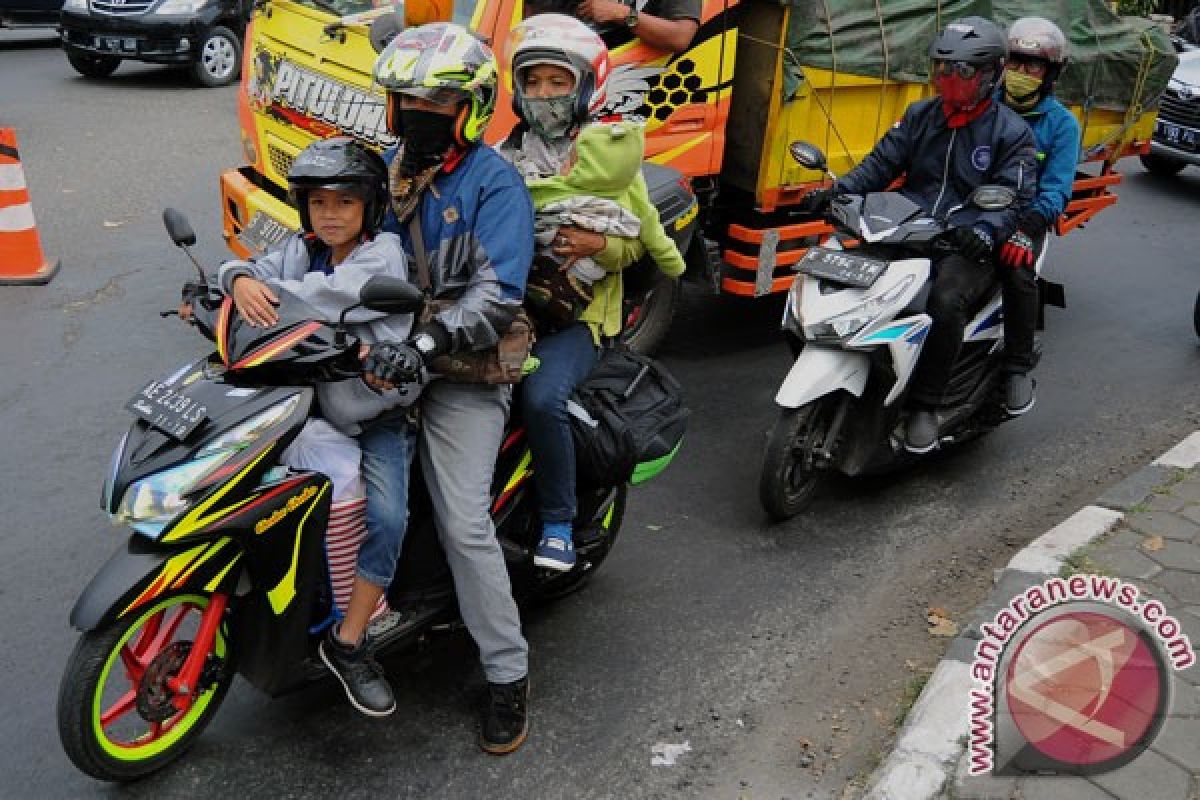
427	137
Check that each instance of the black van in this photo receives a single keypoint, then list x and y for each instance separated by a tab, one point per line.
19	13
203	35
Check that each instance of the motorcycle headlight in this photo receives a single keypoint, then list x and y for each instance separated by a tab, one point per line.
181	6
848	323
152	502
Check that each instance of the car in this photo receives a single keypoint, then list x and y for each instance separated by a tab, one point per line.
1176	141
204	36
20	13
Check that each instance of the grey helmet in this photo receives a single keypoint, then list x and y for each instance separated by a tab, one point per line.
1037	37
345	164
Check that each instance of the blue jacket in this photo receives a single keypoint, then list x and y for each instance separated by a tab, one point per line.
943	166
1056	134
477	226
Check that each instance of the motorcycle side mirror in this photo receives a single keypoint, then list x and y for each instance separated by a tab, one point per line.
178	228
993	198
808	156
391	295
383	29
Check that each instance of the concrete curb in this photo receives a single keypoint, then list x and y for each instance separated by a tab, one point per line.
932	739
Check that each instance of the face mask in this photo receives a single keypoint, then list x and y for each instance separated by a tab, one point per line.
549	117
959	94
427	137
1021	91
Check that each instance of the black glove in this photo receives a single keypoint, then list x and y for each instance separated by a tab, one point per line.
1033	224
975	243
394	363
817	201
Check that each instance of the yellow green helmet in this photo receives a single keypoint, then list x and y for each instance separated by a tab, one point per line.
430	61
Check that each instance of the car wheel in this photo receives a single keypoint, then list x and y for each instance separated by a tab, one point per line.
218	58
90	66
1161	165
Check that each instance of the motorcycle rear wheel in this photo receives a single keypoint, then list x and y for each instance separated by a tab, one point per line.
790	475
116	717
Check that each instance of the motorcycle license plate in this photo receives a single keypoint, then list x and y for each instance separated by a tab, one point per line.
263	233
837	266
1181	137
172	412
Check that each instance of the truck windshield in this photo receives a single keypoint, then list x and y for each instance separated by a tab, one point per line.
347	8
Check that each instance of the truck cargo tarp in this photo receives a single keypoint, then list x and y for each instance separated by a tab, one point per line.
1116	62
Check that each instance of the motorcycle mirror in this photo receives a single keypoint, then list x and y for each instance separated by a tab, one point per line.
807	155
993	198
383	29
391	295
178	228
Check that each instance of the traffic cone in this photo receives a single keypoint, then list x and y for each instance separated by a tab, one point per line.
21	258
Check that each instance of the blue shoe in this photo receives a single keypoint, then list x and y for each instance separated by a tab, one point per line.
555	551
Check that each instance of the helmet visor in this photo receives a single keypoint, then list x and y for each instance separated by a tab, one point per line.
958	69
440	95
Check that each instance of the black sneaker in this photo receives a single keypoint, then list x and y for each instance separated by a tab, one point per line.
1018	394
920	434
361	677
505	721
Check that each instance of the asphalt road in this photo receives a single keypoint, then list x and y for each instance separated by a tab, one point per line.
706	626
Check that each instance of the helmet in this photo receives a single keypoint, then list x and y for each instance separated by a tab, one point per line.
976	49
565	42
432	60
1037	37
344	164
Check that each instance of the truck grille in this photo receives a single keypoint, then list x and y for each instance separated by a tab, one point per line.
1179	109
121	7
281	161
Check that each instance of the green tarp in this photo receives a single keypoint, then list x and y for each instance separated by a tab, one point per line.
1116	62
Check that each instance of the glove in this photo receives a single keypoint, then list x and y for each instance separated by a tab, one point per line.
1033	225
975	243
817	201
393	364
1018	251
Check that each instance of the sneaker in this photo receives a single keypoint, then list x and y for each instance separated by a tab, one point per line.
504	724
556	553
361	677
920	435
1018	394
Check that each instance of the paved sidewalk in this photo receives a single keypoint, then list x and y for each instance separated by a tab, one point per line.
1145	530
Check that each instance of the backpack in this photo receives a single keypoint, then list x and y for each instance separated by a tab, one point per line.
627	419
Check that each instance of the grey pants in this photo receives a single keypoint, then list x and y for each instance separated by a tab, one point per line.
462	427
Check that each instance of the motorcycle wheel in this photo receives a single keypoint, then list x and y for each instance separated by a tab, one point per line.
563	585
116	716
790	476
649	312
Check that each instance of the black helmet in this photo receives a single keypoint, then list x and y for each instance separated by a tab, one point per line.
346	165
973	40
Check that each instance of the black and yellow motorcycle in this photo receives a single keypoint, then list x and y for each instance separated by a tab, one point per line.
225	571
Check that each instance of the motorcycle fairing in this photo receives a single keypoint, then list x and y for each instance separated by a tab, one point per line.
821	370
988	324
296	339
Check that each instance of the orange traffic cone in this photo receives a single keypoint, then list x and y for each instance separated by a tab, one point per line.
21	258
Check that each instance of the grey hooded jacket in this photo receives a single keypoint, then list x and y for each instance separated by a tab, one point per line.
349	403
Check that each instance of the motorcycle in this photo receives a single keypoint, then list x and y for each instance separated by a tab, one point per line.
855	320
225	571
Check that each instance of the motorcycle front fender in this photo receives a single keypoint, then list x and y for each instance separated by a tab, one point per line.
136	574
818	371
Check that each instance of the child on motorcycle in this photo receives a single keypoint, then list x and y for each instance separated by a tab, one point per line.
339	186
947	147
1037	53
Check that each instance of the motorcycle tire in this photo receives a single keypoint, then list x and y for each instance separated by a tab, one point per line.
790	477
649	311
567	583
90	737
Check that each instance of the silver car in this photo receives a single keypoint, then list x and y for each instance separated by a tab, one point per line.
1176	142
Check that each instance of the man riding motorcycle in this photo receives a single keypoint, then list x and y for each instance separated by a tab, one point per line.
947	146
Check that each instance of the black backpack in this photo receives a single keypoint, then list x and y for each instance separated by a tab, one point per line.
627	419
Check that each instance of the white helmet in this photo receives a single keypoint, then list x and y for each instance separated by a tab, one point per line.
565	42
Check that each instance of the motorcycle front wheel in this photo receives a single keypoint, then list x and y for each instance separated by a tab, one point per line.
791	475
117	717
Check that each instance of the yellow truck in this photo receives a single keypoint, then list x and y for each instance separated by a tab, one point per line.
757	76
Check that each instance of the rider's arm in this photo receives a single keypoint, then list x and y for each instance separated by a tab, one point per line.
659	245
264	268
1015	167
886	162
1057	174
499	250
328	295
618	253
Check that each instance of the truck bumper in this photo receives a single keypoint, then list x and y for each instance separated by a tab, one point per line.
252	218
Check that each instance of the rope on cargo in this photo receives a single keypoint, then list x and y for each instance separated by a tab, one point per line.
833	76
886	67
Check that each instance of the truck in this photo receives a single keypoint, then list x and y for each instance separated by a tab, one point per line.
758	75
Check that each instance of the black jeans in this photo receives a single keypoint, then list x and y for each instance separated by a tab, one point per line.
1020	312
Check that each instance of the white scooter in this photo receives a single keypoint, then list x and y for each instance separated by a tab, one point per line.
856	322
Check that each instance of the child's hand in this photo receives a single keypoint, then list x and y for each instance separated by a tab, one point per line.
255	301
185	311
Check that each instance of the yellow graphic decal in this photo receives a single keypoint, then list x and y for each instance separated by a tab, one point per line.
281	596
520	473
215	582
198	518
264	525
687	217
167	573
